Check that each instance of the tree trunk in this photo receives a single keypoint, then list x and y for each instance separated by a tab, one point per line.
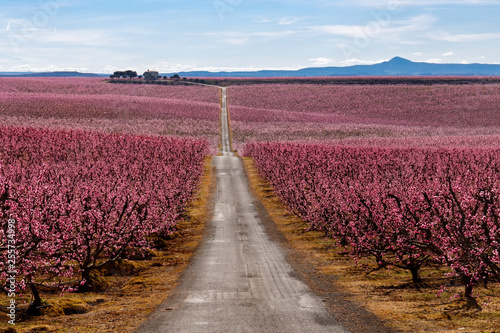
469	286
468	290
36	303
415	275
88	283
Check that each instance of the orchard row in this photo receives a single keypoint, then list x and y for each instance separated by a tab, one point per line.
81	199
405	207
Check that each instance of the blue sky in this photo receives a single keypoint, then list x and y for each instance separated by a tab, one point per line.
173	35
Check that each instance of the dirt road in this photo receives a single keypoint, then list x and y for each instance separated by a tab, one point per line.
239	280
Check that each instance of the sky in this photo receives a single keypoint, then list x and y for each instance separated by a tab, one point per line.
102	36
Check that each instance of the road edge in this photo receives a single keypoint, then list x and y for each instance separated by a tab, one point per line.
349	314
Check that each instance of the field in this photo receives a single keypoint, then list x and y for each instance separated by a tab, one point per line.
400	179
354	80
92	104
437	115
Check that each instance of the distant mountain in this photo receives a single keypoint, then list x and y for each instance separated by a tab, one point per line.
395	67
49	74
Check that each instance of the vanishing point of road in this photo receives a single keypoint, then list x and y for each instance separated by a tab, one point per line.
239	280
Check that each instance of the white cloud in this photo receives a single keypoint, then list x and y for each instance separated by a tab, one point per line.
21	32
165	66
77	37
341	30
241	38
419	22
288	20
21	68
434	61
170	67
48	68
418	54
389	30
272	33
464	38
21	27
9	25
448	54
235	41
110	69
354	61
321	61
248	69
262	20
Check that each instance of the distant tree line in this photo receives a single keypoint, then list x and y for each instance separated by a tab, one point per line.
165	81
129	74
124	74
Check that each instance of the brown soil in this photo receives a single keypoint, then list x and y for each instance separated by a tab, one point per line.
135	289
368	300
